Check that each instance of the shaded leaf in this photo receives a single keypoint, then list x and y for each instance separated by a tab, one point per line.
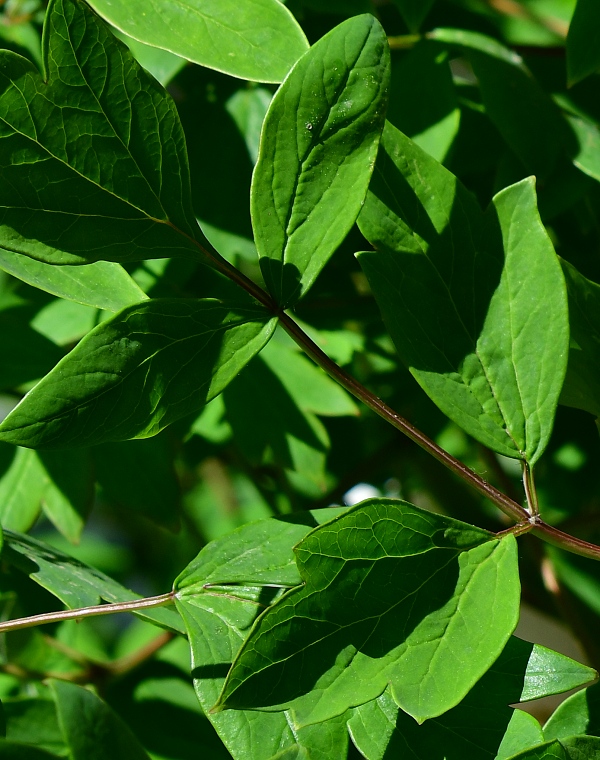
73	582
105	285
414	12
582	747
481	727
26	354
17	751
22	486
583	42
587	155
258	40
93	159
317	149
395	607
69	494
475	303
91	729
162	64
139	371
33	721
582	382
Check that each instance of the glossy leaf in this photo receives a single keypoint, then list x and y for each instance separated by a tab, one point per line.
583	42
73	582
578	714
258	40
218	605
395	608
494	361
104	285
582	385
317	149
549	751
92	730
93	159
139	371
482	726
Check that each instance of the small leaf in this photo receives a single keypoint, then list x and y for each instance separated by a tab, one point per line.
92	730
395	607
317	149
587	155
583	42
479	727
139	371
73	582
104	285
578	714
523	732
22	486
93	159
493	362
258	40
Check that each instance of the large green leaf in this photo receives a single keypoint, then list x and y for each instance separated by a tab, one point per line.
395	606
582	383
258	39
218	607
476	304
317	149
73	582
482	726
92	730
105	285
578	714
583	41
139	371
93	157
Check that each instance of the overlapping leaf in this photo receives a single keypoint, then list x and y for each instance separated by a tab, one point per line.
476	304
259	40
316	156
93	158
482	725
219	595
578	714
139	371
391	595
583	41
73	582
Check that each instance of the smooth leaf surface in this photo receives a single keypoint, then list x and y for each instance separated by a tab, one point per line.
104	285
587	155
481	727
139	371
22	486
317	149
549	751
475	303
582	385
258	40
18	751
73	582
578	714
414	12
583	42
582	747
33	721
93	159
394	607
523	732
92	730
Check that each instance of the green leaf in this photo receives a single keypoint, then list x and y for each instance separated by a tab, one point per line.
414	12
162	64
139	371
218	607
583	42
481	726
587	155
582	384
258	40
475	303
104	285
582	747
395	607
73	582
33	721
317	149
22	487
578	714
523	112
16	751
549	751
92	730
93	159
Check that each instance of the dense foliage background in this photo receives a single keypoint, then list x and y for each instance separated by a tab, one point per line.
496	92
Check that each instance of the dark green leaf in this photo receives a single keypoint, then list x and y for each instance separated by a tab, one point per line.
258	40
73	582
17	751
317	150
139	371
26	354
394	607
414	12
583	41
105	285
92	730
582	383
481	727
93	159
69	494
587	155
33	721
476	304
582	747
